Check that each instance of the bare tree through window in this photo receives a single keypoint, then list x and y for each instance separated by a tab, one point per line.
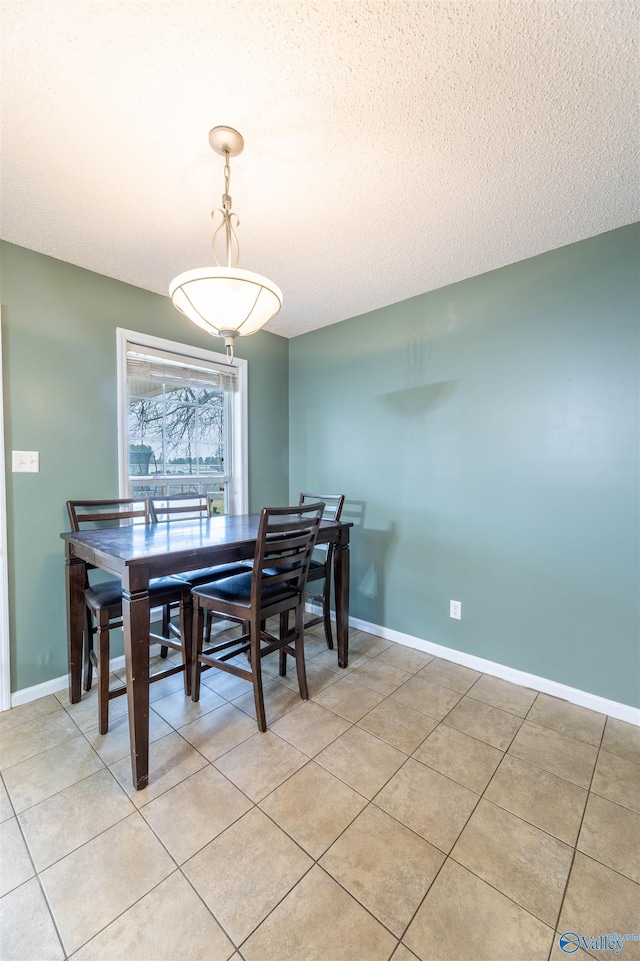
184	427
177	440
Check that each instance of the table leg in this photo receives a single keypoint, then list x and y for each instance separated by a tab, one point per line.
341	587
135	623
75	580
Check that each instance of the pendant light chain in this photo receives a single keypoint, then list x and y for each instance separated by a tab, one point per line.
226	205
227	173
231	238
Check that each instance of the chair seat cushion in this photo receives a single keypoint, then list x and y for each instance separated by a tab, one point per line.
108	595
237	590
208	574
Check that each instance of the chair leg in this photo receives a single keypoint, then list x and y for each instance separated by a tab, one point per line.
246	630
166	617
326	611
186	637
256	669
284	632
87	648
196	650
103	673
299	647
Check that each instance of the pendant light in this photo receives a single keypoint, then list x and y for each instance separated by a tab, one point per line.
224	300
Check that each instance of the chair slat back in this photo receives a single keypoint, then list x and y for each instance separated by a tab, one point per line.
180	507
107	513
333	504
286	538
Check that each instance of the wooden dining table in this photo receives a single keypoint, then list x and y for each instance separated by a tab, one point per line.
138	552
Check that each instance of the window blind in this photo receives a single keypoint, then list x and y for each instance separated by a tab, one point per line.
158	368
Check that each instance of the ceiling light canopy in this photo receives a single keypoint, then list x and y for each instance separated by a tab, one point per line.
224	300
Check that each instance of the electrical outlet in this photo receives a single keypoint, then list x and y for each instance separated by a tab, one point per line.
455	610
27	461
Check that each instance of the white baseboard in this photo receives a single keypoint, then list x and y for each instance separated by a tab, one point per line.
39	690
623	712
56	684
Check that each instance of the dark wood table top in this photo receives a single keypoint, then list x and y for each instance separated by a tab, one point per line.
178	545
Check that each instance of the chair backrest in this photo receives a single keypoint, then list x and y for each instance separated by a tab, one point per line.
286	538
180	507
333	504
107	513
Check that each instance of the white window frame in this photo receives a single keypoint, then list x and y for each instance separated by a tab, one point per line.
5	655
238	491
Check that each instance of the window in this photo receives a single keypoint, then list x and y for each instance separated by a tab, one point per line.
182	421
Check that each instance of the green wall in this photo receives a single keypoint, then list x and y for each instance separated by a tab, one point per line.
486	435
59	367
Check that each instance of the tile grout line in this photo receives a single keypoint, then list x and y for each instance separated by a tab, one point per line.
446	855
36	877
575	846
449	857
369	802
203	902
135	810
315	861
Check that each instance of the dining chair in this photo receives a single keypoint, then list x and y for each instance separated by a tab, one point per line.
275	586
174	507
103	600
321	565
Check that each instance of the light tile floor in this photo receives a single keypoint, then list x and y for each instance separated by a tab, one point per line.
411	809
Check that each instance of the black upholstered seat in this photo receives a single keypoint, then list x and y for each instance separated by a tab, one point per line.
237	590
107	596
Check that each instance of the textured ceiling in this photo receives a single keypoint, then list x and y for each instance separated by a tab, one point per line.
391	147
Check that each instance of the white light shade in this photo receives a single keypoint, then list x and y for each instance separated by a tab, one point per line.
224	299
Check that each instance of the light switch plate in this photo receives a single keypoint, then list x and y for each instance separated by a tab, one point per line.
27	461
